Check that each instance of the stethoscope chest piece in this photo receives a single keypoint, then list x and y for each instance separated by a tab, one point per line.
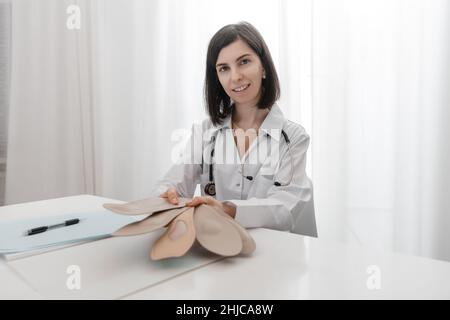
210	189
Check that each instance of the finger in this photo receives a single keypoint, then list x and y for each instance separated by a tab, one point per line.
209	200
195	202
173	196
192	203
173	199
163	195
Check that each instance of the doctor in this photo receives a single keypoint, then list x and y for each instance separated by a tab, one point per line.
249	160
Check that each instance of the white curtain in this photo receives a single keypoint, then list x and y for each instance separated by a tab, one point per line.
381	103
93	110
50	127
5	61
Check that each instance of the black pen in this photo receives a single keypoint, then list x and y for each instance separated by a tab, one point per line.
45	228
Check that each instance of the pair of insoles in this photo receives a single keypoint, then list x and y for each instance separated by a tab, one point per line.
213	228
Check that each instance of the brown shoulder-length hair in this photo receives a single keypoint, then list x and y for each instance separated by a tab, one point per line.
218	103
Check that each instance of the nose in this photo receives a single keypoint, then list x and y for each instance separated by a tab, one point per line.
236	76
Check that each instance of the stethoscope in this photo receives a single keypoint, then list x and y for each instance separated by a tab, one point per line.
210	188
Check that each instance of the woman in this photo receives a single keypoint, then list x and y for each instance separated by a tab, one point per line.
241	89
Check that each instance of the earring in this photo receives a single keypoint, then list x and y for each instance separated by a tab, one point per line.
264	76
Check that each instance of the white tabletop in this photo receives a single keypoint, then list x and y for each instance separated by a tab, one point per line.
284	266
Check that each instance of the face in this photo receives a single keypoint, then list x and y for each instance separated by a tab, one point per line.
240	73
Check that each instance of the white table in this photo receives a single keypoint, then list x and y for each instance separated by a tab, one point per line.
284	266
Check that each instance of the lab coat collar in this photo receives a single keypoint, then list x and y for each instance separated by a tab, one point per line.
274	120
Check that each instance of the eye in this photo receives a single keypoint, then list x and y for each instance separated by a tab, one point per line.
245	61
222	69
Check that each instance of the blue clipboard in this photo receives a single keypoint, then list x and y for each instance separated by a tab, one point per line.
93	225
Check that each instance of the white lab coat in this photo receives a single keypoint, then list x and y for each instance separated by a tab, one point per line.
259	203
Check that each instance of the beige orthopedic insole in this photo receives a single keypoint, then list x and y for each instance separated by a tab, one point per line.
216	233
248	243
145	206
178	238
151	223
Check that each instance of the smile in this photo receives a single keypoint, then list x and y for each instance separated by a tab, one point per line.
241	88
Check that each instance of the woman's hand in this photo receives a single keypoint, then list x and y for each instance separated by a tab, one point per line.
171	195
229	210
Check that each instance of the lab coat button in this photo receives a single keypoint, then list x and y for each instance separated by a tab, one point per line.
238	184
